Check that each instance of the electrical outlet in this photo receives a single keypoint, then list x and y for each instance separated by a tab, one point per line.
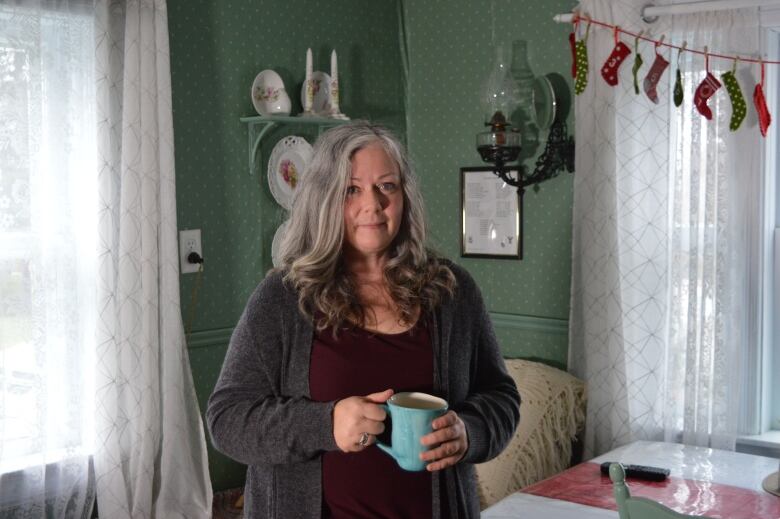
189	241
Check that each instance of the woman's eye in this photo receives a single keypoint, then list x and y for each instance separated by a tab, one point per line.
388	187
351	190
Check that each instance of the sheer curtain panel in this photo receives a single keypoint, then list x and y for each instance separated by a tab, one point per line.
665	238
150	457
48	238
96	393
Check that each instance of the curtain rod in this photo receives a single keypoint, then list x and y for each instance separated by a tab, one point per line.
651	12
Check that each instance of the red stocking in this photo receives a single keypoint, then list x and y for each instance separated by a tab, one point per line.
704	91
764	117
610	69
654	76
573	45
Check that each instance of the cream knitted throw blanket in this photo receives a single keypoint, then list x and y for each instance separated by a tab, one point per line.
552	412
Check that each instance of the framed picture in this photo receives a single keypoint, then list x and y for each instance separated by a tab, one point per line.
491	215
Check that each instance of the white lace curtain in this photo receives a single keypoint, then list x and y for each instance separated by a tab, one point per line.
665	242
96	394
48	235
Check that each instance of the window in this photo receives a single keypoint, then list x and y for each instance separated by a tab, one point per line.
769	414
771	354
48	229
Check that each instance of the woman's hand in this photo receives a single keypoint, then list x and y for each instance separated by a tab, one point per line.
449	433
356	415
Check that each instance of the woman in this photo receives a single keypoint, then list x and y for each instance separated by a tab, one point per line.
360	309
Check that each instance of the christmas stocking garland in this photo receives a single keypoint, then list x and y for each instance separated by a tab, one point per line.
637	65
738	105
652	78
704	91
764	117
610	69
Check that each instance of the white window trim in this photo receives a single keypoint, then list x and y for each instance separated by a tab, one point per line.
767	418
770	366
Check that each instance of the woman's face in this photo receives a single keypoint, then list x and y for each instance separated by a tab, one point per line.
374	204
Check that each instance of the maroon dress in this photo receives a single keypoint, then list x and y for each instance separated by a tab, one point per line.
370	483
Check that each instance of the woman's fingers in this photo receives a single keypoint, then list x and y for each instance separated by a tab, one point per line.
445	428
381	397
451	442
374	412
356	415
372	427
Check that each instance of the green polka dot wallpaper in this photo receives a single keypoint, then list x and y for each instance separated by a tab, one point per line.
217	49
450	47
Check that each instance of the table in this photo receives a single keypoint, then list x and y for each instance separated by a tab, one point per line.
702	482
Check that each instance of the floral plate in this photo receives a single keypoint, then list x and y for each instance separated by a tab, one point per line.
321	104
286	165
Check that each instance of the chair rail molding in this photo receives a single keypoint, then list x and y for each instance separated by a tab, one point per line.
209	338
530	323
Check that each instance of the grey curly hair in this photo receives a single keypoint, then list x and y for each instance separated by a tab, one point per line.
311	251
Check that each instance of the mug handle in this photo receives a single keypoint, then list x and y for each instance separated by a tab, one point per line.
388	449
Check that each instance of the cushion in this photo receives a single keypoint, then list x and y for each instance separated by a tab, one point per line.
552	412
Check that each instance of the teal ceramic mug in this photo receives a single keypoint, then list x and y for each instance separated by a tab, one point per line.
411	415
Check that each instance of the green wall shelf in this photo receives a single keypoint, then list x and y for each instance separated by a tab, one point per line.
259	126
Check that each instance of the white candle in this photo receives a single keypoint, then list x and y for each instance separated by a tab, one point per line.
307	84
308	64
334	68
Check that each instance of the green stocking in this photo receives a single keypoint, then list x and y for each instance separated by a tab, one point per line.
678	83
678	89
582	63
738	105
637	65
582	67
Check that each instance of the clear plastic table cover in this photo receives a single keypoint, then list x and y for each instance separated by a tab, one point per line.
699	463
702	481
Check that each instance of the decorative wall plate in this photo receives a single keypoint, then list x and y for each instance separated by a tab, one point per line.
321	104
552	99
286	165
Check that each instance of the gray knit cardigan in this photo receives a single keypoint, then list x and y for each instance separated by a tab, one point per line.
261	414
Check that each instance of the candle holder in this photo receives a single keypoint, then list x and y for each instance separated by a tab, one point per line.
335	111
308	88
320	91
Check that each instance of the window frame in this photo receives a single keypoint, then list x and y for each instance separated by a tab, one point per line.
768	418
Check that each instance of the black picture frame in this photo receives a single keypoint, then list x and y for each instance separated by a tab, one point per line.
487	205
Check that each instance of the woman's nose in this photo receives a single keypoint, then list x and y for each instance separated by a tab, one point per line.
375	200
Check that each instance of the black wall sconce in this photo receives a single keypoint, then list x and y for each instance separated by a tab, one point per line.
513	93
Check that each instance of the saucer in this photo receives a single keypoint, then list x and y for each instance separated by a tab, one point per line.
321	104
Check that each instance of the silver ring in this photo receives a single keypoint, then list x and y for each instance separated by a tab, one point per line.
363	439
